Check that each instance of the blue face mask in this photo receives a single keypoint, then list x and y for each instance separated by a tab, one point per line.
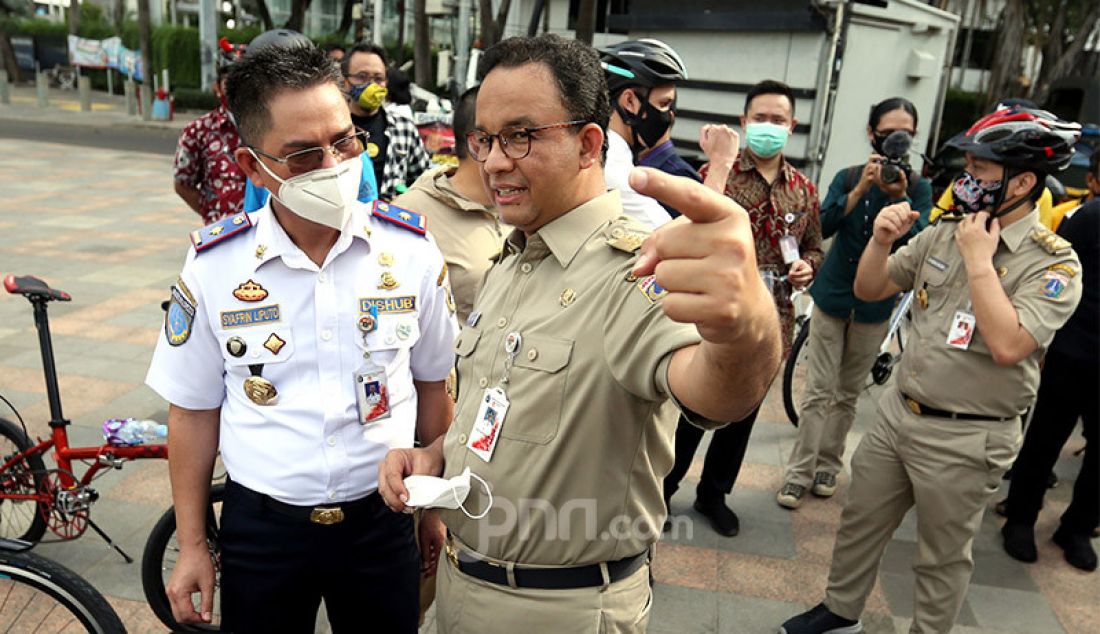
766	139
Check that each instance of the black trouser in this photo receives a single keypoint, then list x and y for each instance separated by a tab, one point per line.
276	569
1067	392
722	463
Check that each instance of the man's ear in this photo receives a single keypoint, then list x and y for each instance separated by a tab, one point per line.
1023	183
794	122
250	166
591	137
628	101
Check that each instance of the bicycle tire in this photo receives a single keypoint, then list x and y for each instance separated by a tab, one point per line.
24	477
152	563
789	370
84	603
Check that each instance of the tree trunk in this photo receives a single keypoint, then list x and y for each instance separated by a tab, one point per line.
345	19
485	16
297	15
1071	55
74	17
1007	65
422	47
145	42
586	21
502	19
118	14
399	59
7	54
265	15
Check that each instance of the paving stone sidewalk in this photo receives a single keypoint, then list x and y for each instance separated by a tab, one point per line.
105	226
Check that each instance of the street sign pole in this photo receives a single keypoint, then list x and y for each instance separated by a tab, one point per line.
208	41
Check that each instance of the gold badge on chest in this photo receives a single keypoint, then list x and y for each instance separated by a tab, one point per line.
388	282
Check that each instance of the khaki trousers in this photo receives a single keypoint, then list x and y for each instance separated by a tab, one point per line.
465	604
839	356
949	469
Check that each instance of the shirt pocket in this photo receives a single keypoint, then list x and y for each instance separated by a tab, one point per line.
270	348
934	284
390	347
536	389
464	347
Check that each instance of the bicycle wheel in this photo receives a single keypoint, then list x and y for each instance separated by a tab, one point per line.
20	519
161	553
794	374
40	595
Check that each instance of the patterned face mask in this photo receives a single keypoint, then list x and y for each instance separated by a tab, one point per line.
972	196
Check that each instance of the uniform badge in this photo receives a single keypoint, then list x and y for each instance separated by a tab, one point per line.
367	323
1064	269
388	282
450	301
404	331
179	318
261	391
372	150
385	259
401	217
274	343
260	249
236	347
250	292
567	297
250	316
922	298
937	263
219	231
1054	283
1002	271
442	275
387	305
651	289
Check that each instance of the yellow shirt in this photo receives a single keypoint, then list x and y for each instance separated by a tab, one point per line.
1046	205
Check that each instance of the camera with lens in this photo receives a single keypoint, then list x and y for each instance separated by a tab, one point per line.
895	148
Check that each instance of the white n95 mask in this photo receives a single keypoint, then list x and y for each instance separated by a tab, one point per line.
325	196
431	492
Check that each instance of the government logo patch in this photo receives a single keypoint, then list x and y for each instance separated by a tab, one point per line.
179	318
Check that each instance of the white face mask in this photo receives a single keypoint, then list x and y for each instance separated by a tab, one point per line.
431	492
325	196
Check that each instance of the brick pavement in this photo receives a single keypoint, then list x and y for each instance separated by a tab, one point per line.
105	226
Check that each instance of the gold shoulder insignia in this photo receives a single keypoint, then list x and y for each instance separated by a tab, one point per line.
624	237
1051	242
1064	268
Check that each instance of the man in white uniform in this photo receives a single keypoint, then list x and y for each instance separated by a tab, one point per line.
283	324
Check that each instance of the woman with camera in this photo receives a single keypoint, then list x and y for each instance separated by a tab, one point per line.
845	333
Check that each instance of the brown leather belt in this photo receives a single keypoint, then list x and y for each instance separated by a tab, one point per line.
920	409
543	578
326	515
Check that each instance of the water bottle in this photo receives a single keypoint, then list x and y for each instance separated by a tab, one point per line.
130	432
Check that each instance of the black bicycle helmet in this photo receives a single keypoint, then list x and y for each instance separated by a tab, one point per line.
282	38
645	62
1022	138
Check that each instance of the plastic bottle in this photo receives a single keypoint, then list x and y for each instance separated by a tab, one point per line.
129	432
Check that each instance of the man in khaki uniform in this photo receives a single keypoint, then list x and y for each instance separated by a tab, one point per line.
988	301
465	226
570	373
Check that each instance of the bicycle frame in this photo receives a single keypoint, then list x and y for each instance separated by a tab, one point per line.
104	456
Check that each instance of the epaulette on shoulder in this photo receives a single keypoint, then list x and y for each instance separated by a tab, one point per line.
625	234
949	215
1051	242
220	231
401	217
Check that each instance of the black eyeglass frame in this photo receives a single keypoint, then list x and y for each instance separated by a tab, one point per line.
528	131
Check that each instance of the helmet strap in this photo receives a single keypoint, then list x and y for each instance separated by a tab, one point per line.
1009	174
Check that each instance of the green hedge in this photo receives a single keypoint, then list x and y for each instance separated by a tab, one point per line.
194	99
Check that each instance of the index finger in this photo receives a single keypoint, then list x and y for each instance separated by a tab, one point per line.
694	201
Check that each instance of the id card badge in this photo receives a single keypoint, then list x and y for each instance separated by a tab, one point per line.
788	245
962	330
372	394
490	418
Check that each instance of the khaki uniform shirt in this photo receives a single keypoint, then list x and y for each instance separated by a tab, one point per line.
1041	276
470	235
576	474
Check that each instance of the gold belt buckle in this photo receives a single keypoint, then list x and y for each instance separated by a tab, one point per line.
913	406
327	516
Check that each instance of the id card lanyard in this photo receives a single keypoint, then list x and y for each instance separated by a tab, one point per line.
788	244
494	405
372	393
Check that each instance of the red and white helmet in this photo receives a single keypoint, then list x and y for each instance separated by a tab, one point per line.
1023	138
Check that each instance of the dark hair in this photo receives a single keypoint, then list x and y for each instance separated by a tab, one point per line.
575	66
1094	163
398	86
769	87
334	46
255	80
363	47
463	120
879	110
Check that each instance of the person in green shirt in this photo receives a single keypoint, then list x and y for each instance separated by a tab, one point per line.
846	332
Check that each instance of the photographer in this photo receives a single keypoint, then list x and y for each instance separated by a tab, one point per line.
846	332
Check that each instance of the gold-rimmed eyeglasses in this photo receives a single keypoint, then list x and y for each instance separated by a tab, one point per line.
310	159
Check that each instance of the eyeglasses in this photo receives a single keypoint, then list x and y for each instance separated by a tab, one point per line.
310	159
515	141
366	78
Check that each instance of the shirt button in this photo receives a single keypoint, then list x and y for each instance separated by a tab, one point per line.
326	334
332	441
525	267
483	381
532	354
321	277
462	439
502	322
332	495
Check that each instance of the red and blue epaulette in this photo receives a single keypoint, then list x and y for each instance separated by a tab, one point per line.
220	231
401	217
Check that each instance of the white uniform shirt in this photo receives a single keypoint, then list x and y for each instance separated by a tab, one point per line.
616	175
309	447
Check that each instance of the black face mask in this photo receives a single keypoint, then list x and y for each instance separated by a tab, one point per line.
649	124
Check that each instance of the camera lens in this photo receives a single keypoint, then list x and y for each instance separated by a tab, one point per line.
889	173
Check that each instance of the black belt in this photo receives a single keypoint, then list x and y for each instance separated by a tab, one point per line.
920	409
545	578
325	515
